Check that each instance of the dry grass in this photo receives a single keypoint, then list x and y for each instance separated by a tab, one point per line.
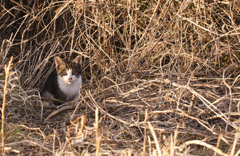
161	77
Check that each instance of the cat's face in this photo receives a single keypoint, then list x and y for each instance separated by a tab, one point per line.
69	72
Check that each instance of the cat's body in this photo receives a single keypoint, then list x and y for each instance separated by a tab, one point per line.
65	81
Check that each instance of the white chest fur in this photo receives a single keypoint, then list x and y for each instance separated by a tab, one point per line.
70	90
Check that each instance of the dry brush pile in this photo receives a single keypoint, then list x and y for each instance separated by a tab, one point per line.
160	77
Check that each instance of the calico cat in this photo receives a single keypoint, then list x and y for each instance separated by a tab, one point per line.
65	81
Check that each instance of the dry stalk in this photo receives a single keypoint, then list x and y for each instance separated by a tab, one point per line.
145	133
64	108
30	143
54	137
155	139
173	142
198	142
7	72
97	131
230	93
79	131
236	138
218	143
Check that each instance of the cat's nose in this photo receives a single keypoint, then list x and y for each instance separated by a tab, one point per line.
69	79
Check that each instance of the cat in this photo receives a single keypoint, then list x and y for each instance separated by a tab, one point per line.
65	81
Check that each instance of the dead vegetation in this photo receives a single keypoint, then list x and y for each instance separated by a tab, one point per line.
161	77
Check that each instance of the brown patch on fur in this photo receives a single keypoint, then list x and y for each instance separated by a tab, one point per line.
60	66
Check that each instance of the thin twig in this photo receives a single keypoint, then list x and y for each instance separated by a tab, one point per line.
59	111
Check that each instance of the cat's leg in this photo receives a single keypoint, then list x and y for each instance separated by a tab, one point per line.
76	101
48	95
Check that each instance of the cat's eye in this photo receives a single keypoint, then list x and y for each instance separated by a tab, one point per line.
63	73
74	73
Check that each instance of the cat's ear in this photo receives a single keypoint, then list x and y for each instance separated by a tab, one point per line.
58	61
78	60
